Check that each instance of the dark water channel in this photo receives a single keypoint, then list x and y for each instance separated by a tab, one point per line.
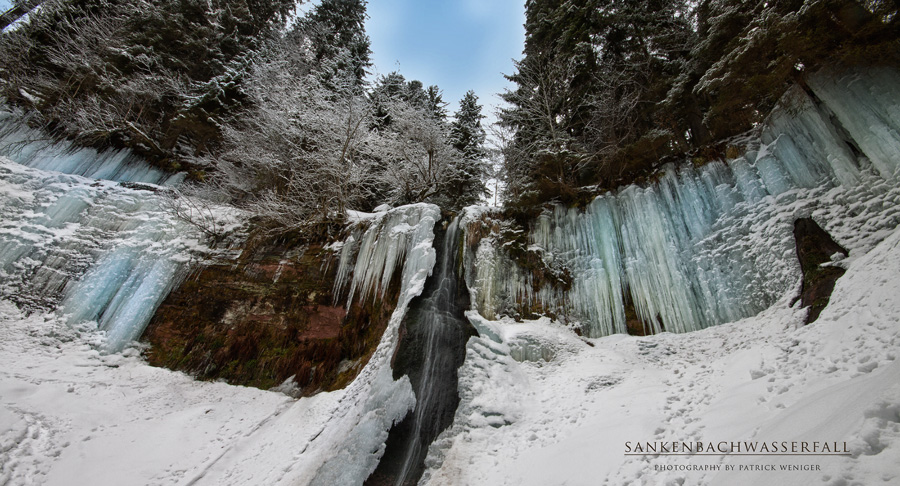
432	348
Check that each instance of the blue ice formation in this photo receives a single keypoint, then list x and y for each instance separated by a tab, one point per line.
73	238
709	245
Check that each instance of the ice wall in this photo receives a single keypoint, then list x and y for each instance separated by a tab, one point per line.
34	149
74	239
708	245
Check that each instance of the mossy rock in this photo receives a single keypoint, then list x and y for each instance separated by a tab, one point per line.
270	316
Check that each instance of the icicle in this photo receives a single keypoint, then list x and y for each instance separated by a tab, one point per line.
121	292
598	293
93	250
346	263
31	148
380	251
867	105
689	248
747	178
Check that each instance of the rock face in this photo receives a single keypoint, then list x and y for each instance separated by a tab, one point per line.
633	322
266	318
815	249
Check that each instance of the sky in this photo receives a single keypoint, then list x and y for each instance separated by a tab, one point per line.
457	45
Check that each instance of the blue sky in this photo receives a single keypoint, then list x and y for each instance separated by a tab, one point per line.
458	45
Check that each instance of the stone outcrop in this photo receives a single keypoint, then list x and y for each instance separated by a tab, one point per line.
266	318
815	250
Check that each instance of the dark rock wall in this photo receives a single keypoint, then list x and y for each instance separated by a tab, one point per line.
815	247
265	318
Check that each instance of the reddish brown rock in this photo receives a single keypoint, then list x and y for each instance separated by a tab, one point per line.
267	318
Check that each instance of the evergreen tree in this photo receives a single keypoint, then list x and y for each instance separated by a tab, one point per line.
158	77
608	90
466	132
434	103
586	89
337	36
749	53
463	183
394	87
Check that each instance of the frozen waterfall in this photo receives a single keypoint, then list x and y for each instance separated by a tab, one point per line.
430	353
395	246
704	246
78	235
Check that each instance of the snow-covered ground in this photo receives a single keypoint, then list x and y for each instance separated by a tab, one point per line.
768	378
540	405
71	416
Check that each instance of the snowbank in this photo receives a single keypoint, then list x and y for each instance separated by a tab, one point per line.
766	378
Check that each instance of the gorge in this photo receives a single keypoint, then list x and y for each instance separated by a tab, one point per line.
473	349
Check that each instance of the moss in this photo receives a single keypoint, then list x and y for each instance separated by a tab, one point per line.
241	324
733	152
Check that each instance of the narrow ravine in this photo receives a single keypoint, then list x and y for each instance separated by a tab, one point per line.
431	350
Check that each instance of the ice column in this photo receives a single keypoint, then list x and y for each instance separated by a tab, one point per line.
704	246
94	249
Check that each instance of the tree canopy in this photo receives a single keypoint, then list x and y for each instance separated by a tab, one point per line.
608	90
277	118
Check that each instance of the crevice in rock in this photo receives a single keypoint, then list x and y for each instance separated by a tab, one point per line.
817	253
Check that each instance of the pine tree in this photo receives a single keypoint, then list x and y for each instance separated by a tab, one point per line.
466	133
158	77
749	53
585	107
434	103
463	183
608	90
394	87
336	32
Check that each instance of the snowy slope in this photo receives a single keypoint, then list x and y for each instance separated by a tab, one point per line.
70	416
765	378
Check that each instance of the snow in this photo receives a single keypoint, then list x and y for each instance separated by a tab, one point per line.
70	415
93	254
540	405
766	378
